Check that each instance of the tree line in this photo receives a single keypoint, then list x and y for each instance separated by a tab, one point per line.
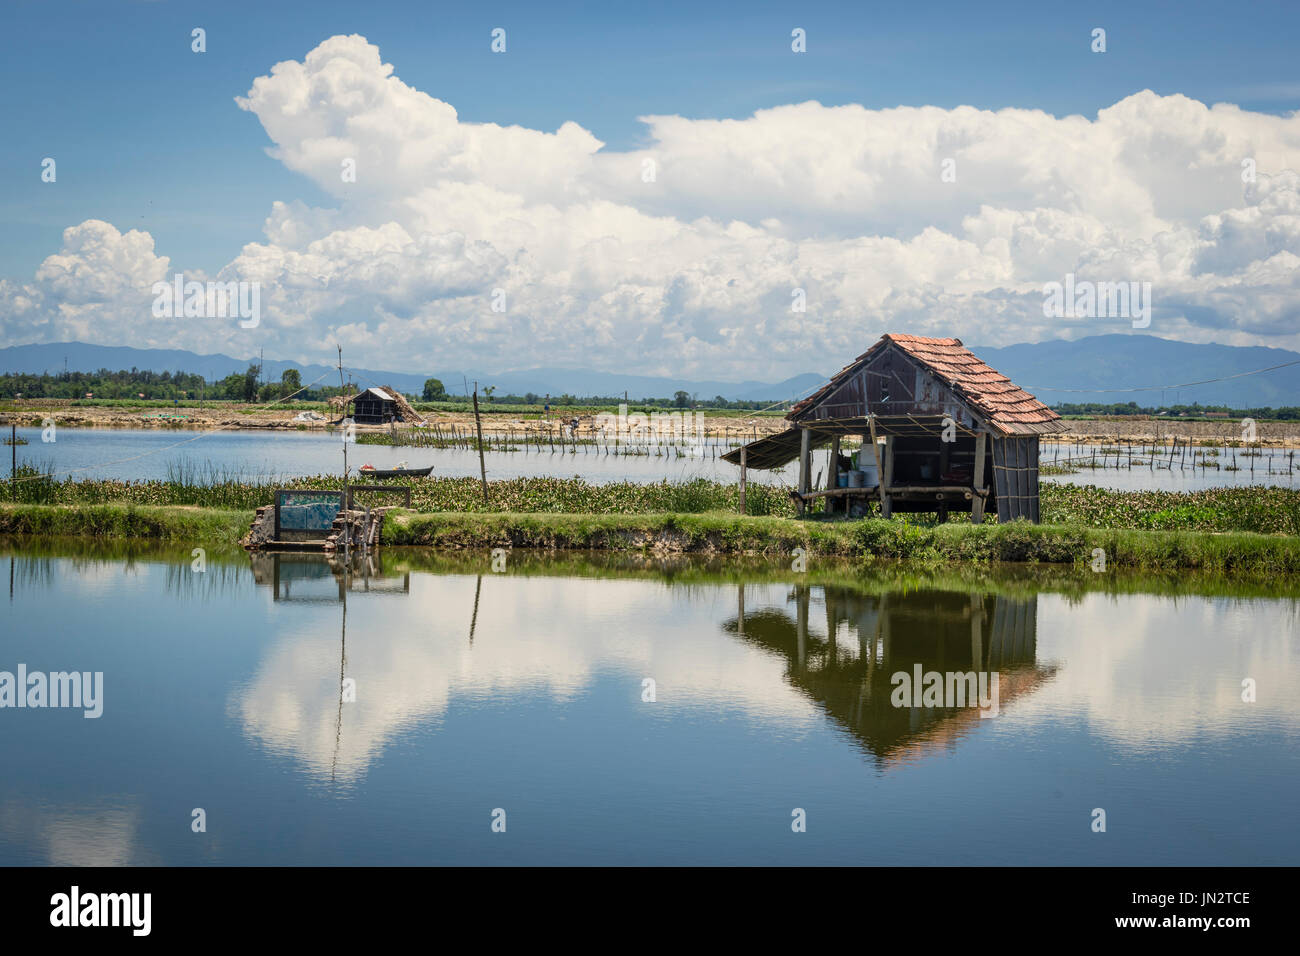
246	386
1194	410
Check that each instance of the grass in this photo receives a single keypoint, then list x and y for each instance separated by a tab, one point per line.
199	525
866	541
1256	508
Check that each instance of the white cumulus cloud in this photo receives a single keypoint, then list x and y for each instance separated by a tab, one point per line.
682	256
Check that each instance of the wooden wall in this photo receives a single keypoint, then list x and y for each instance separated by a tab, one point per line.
1015	478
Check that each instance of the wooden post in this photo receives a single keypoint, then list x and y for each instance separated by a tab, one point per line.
945	462
875	448
342	388
977	502
887	480
478	426
805	441
801	624
743	453
885	509
833	478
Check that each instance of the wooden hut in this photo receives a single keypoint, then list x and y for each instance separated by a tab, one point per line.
380	406
940	430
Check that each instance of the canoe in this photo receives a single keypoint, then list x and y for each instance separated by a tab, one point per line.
395	472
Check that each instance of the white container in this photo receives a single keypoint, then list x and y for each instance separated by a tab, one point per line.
855	479
869	477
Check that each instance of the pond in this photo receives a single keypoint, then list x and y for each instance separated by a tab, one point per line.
609	710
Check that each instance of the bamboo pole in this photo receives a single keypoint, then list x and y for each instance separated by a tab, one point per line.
478	425
743	464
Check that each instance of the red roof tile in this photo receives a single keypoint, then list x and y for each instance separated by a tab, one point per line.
999	400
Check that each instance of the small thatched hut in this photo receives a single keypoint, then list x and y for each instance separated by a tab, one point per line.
380	406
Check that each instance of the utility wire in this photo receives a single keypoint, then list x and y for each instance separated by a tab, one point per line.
1154	388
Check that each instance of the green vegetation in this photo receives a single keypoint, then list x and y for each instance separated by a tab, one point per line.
135	388
867	541
197	525
1287	413
870	540
1255	509
1250	530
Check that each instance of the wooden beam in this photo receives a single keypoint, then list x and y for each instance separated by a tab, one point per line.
945	462
833	479
875	448
887	480
742	478
977	505
805	439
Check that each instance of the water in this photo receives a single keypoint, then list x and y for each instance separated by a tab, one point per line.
154	453
523	691
1145	472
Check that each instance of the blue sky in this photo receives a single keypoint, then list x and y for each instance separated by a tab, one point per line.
148	136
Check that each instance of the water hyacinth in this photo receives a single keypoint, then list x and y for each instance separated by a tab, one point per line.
1265	510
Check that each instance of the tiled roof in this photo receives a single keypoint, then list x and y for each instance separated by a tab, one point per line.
1000	401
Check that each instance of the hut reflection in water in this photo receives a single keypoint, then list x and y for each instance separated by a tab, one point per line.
847	664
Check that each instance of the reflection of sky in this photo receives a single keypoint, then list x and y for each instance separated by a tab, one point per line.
218	696
411	657
71	836
1160	672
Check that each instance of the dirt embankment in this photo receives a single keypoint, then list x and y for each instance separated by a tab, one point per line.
33	413
1285	434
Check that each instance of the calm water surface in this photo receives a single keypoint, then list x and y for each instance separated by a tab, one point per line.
154	453
523	691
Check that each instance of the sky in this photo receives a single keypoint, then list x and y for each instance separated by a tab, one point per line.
655	188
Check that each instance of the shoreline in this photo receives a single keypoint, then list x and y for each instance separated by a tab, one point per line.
1096	431
710	534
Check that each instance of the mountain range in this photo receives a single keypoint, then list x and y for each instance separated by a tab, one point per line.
1100	368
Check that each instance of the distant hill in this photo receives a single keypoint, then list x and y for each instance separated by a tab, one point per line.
1048	369
81	357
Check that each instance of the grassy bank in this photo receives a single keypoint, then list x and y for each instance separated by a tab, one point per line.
863	540
715	533
1257	509
198	525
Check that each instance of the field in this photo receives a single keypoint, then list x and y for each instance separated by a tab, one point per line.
500	418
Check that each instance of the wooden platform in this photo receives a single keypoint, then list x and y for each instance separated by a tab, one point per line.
956	497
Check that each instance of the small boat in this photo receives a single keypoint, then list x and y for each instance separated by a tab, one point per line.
399	472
